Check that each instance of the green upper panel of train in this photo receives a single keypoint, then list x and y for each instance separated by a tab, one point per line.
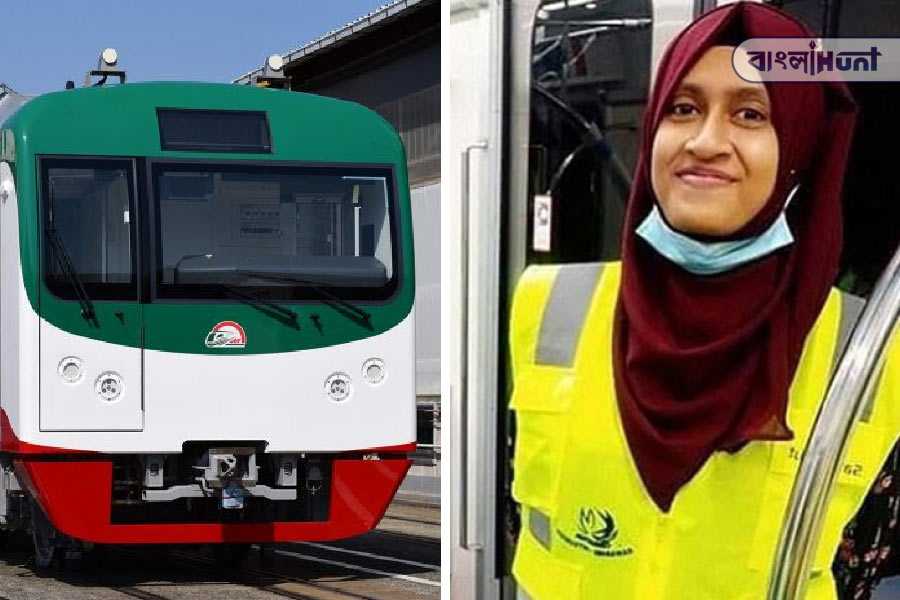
148	211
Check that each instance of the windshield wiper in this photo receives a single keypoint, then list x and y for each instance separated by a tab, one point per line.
276	311
346	308
64	259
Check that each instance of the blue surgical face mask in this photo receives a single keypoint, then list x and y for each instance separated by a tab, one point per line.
710	258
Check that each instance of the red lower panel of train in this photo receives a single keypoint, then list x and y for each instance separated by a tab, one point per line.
75	489
75	493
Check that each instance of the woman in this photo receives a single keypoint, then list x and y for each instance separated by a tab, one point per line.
663	402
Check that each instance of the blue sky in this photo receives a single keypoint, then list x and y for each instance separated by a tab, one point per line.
46	42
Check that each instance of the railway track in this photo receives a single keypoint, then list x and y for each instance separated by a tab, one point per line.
391	562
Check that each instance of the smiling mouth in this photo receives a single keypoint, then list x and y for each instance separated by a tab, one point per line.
703	181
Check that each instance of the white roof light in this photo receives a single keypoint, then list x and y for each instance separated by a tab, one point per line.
275	62
110	56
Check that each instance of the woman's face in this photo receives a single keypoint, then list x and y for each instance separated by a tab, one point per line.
715	153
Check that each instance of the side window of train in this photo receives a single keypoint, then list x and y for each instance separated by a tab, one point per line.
590	81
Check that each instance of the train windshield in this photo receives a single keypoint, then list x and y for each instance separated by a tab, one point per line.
89	246
275	231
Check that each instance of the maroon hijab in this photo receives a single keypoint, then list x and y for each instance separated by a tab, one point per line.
704	363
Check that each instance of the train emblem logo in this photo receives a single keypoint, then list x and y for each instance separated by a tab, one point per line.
226	334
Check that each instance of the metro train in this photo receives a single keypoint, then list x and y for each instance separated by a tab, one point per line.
206	315
546	104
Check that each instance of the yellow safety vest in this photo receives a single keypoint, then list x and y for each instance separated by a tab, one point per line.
589	529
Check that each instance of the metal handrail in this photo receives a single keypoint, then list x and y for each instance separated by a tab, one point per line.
850	391
465	223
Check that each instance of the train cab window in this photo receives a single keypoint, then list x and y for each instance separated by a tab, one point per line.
88	228
276	231
590	79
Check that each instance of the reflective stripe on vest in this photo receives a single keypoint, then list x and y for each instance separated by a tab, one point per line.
565	312
851	309
589	529
539	525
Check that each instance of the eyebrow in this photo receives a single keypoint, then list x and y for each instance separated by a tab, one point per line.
742	91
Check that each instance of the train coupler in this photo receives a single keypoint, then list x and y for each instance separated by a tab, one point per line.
229	474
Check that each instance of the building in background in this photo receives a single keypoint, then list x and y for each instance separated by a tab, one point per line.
389	60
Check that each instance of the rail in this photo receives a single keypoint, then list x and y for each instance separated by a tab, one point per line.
464	541
849	392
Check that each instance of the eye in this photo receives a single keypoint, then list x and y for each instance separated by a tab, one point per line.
682	109
751	114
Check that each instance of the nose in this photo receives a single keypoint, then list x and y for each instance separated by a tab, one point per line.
711	139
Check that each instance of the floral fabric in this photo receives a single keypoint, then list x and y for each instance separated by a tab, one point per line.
870	549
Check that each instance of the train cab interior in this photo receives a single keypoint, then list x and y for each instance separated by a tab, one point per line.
590	74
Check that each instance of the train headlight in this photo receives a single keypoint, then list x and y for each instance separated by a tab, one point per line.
373	371
338	386
109	56
70	369
109	386
275	62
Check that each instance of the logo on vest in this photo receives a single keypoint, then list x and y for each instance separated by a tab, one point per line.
596	534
